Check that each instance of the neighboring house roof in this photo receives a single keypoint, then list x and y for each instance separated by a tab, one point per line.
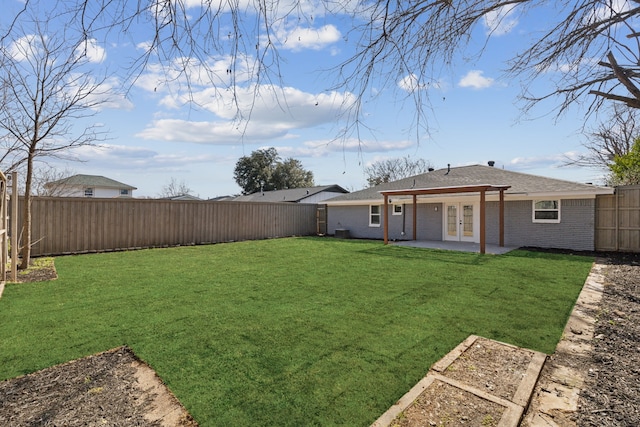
90	181
182	197
520	184
222	199
295	195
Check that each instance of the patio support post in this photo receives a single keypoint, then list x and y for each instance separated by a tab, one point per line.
482	221
386	219
501	218
415	216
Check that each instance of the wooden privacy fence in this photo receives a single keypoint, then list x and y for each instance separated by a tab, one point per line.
79	225
618	220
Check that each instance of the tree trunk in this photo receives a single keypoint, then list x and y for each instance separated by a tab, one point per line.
25	253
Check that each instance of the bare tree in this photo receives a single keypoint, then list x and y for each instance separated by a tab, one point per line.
394	169
48	181
613	137
589	48
175	188
45	91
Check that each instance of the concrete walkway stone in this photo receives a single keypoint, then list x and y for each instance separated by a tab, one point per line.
555	398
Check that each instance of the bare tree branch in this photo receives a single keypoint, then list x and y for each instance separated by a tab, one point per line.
45	91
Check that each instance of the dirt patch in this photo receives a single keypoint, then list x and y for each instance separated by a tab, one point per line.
441	404
479	383
40	270
113	388
488	365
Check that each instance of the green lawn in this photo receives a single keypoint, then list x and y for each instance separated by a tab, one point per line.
296	331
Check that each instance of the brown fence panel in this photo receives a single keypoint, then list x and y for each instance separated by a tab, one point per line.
80	225
618	220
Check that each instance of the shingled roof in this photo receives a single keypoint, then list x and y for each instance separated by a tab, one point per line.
90	181
520	183
294	195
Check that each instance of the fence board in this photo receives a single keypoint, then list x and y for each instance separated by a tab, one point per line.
618	220
81	225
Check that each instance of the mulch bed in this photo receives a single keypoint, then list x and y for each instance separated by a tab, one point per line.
611	396
113	388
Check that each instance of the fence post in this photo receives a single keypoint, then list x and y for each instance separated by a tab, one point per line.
14	226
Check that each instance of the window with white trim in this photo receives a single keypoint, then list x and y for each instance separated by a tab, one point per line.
397	209
546	211
375	215
88	192
124	191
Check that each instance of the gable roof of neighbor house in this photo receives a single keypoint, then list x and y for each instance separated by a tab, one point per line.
520	184
294	195
90	181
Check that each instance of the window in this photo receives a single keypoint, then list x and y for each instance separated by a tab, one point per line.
546	211
88	192
374	215
124	192
397	209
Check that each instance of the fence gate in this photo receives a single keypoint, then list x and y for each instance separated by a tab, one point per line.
321	220
618	220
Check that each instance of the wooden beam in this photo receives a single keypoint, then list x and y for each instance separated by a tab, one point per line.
415	217
445	190
482	222
386	219
501	219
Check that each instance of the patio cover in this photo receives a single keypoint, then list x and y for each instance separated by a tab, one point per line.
480	188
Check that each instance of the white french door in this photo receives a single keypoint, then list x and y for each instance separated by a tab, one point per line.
461	221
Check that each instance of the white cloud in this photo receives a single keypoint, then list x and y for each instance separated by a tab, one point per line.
475	80
298	38
608	10
185	74
92	51
202	132
130	157
410	83
100	95
253	113
524	163
500	21
322	148
25	47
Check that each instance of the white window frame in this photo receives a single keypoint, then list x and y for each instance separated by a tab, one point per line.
124	191
541	220
89	192
397	209
375	214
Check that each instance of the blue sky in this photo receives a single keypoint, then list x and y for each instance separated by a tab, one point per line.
156	134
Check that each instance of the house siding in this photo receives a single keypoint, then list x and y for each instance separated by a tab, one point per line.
320	197
356	220
98	193
575	230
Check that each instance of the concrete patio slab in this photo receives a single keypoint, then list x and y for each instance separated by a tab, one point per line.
454	246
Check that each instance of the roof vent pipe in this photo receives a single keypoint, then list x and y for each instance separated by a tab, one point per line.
448	168
430	170
491	163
